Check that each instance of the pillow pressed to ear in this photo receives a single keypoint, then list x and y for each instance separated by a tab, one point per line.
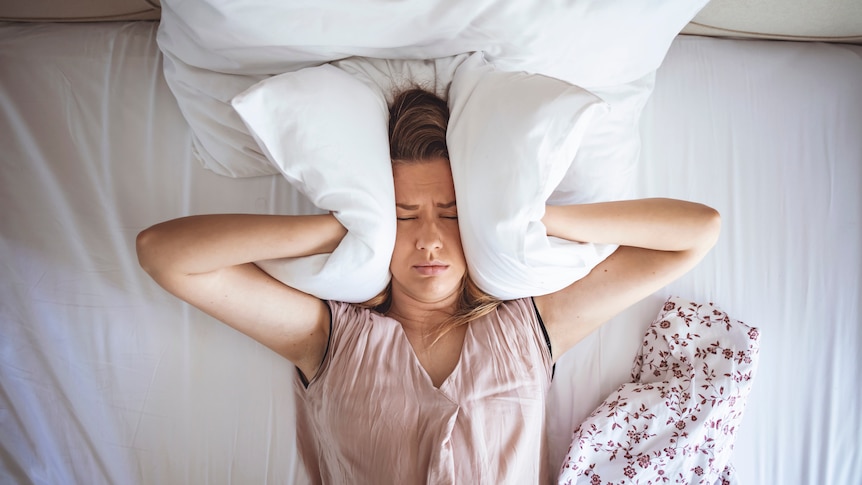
512	132
327	134
512	137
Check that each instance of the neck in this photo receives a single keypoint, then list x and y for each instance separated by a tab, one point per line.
418	317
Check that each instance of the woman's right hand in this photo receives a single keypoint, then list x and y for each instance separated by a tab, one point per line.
208	261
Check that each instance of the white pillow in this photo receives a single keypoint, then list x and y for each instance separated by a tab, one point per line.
215	49
604	168
535	137
589	43
512	137
220	140
388	77
327	133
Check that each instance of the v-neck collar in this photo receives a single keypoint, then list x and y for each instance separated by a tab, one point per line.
447	382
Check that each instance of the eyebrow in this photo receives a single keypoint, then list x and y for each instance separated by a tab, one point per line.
410	207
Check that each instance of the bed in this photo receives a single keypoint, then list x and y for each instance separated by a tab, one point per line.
105	378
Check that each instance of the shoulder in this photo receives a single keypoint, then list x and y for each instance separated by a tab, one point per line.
517	320
520	312
339	310
351	319
512	335
358	337
345	320
350	316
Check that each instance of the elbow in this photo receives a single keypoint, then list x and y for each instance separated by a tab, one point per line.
704	229
711	228
145	246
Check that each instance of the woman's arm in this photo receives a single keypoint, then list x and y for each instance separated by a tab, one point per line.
208	262
660	240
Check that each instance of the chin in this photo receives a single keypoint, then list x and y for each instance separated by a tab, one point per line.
441	292
430	292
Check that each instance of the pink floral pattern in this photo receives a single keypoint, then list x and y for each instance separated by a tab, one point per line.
677	419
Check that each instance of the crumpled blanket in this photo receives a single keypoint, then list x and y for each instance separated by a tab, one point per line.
676	421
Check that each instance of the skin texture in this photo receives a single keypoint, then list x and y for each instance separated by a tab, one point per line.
660	240
428	262
208	262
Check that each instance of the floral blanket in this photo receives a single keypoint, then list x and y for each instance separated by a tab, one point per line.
676	421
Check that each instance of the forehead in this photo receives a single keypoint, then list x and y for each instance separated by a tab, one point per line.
421	179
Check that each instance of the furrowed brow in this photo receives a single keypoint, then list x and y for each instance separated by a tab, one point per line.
407	207
446	205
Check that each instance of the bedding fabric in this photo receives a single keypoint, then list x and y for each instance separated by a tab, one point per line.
105	378
325	127
612	42
512	137
215	49
326	132
676	421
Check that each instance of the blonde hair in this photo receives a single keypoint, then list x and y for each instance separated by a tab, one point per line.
417	134
417	127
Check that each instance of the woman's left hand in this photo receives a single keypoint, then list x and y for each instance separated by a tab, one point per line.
660	240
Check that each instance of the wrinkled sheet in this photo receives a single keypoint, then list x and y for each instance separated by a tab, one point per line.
104	378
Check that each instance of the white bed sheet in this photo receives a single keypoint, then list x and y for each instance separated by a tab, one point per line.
104	378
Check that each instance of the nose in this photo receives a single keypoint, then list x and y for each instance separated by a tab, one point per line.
429	236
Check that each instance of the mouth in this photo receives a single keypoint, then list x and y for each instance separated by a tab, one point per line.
433	268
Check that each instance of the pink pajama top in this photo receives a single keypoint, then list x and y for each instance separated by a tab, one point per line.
371	414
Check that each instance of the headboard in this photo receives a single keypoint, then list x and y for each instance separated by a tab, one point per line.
800	20
79	10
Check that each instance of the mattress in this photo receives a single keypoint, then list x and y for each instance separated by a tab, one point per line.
105	378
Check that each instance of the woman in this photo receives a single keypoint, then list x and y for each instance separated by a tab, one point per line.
432	381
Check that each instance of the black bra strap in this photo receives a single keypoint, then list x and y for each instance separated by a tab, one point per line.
545	333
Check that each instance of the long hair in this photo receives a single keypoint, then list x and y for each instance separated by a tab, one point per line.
417	134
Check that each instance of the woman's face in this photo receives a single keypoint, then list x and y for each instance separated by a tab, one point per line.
428	261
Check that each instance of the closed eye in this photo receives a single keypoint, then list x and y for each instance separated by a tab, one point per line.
405	218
